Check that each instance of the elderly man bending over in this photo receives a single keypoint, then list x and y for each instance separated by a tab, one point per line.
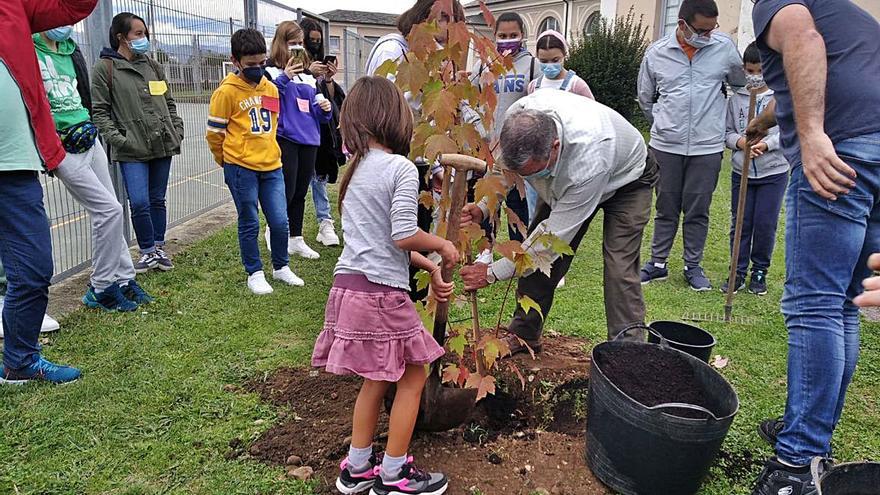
580	156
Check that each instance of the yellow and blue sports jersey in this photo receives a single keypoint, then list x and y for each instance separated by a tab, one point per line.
242	124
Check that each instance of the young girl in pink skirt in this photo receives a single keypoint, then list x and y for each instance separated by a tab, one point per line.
371	327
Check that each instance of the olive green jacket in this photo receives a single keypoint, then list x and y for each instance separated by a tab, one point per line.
136	118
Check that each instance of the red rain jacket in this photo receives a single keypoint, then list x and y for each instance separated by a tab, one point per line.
18	20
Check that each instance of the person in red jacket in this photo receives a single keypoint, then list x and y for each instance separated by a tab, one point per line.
28	146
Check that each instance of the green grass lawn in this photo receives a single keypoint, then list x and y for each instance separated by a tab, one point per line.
151	414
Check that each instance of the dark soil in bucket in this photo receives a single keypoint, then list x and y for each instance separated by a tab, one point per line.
651	376
517	442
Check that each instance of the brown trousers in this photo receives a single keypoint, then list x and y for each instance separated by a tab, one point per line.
626	214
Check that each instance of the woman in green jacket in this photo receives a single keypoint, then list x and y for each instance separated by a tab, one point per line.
133	108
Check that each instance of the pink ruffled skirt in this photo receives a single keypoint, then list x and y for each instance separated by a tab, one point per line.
372	330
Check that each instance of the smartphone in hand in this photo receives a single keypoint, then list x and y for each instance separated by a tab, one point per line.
329	59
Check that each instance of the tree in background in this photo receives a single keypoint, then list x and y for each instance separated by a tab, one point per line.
609	60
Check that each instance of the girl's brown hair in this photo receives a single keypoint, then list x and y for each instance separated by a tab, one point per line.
375	109
279	54
420	12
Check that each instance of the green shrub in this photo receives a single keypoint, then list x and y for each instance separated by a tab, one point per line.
609	61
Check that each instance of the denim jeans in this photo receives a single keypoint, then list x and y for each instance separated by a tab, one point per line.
760	219
26	253
827	247
319	196
147	183
249	189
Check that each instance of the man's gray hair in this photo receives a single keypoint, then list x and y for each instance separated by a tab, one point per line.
527	135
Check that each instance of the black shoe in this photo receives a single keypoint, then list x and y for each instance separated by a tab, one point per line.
779	479
136	294
653	273
769	430
758	283
740	284
697	279
411	481
163	260
146	263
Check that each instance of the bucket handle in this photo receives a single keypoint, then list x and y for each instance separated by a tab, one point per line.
639	326
655	333
684	405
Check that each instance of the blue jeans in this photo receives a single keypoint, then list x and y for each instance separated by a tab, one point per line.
250	188
26	253
147	184
319	196
760	219
827	248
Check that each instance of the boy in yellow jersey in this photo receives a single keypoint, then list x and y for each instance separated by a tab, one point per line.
242	123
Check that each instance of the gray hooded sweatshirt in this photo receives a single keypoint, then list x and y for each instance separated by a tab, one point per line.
772	162
688	115
510	88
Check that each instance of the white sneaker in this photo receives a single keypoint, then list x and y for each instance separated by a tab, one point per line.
561	283
485	257
287	276
268	238
327	234
49	324
258	285
297	245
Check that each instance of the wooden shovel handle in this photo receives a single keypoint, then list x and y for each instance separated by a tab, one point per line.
463	163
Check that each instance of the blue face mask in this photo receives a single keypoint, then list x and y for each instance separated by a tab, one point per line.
551	70
253	74
140	46
60	33
541	174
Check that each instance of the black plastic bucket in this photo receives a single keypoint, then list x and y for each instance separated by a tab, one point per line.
640	450
687	338
854	478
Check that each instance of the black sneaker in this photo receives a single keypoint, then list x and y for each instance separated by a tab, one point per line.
351	481
769	430
411	481
653	273
163	260
135	293
758	283
147	262
779	479
697	279
110	299
740	284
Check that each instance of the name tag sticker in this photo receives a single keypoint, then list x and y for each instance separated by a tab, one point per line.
158	88
271	104
304	105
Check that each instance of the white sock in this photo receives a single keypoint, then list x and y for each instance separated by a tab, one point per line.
359	459
391	466
660	265
788	464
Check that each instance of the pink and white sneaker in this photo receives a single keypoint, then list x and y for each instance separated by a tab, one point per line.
350	482
411	481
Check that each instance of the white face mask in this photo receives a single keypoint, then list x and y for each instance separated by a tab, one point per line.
754	81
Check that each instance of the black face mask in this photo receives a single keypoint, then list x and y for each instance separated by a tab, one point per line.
314	48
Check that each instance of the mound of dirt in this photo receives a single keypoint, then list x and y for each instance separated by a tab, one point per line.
517	442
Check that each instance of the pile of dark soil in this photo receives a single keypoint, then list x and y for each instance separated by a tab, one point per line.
652	376
517	442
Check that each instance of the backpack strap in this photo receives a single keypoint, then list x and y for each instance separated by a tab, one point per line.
373	51
568	78
532	70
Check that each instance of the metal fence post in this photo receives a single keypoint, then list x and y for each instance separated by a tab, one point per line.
251	17
97	28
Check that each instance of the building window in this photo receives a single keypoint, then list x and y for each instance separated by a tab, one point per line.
592	24
373	39
334	44
670	15
548	24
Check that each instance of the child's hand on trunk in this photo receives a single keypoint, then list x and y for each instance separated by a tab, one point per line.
441	290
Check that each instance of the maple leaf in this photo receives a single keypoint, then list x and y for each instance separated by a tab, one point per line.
451	373
543	262
514	221
514	179
509	249
492	349
458	343
440	105
412	75
389	67
486	387
492	188
426	316
441	9
487	15
423	280
457	35
426	199
513	367
463	376
528	304
421	39
439	144
556	244
473	381
523	263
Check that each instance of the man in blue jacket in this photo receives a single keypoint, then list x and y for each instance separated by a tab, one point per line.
822	59
680	92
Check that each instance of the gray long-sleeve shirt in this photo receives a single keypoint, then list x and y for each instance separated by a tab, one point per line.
380	207
772	162
688	116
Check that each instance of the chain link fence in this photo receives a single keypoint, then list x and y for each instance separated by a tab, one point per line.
190	39
355	51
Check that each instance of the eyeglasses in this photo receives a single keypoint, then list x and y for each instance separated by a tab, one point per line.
701	32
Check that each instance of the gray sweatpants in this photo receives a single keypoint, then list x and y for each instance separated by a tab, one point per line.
685	187
87	178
